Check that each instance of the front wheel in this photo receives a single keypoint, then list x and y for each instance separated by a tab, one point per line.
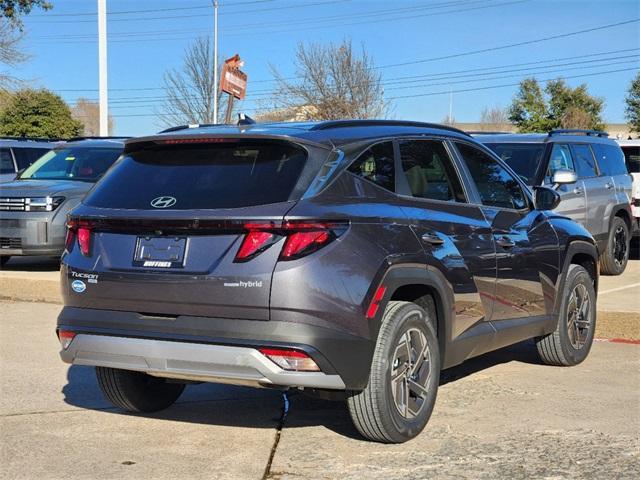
399	398
614	259
136	391
571	342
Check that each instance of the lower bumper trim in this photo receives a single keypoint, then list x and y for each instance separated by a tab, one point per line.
191	361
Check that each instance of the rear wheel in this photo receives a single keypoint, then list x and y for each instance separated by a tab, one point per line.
399	398
136	391
614	259
570	343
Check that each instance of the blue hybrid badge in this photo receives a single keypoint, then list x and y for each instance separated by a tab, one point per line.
78	286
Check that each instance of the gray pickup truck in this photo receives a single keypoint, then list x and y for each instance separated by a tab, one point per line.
33	207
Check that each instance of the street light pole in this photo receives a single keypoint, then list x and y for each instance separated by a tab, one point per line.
102	67
215	61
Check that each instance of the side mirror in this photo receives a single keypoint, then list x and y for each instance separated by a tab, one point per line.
546	198
564	177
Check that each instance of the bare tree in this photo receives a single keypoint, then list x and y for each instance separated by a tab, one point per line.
190	91
88	113
449	120
493	119
11	54
332	82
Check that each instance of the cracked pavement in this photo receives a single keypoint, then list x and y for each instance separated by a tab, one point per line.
502	415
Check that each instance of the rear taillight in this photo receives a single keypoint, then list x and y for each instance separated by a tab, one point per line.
289	359
65	338
82	231
301	238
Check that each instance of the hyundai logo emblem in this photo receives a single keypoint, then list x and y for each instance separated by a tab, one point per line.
163	202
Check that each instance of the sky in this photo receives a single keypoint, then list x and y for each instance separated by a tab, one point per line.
463	54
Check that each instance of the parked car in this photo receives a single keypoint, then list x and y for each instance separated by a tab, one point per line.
600	196
631	150
18	153
351	260
33	207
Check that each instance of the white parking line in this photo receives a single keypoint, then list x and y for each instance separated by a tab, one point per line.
619	288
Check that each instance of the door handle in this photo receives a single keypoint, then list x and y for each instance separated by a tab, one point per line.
577	191
432	239
608	185
505	242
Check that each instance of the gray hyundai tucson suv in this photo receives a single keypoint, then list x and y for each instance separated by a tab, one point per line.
33	208
351	260
599	197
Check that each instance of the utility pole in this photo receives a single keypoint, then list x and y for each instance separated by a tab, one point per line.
215	61
102	67
450	105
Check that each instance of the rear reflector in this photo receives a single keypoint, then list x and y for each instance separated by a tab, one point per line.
375	302
65	338
289	359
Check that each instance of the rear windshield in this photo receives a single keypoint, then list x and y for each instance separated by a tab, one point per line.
632	157
523	158
202	177
75	163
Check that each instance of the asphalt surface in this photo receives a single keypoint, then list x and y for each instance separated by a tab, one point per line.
502	415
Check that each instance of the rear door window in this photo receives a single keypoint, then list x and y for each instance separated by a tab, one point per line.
6	162
495	184
610	159
376	164
584	161
204	176
429	171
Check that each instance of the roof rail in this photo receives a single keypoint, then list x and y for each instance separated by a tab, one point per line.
484	132
75	139
190	125
574	131
33	139
329	124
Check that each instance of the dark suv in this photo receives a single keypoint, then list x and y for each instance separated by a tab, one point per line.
347	259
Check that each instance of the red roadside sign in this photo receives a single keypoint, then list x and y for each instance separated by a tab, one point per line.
233	80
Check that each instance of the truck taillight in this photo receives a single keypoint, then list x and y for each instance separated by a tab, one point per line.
301	238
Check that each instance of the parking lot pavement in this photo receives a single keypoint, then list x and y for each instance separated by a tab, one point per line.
502	415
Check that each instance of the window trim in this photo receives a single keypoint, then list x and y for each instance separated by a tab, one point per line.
526	190
443	141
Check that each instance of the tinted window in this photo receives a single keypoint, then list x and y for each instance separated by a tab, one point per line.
27	156
203	177
496	186
6	161
523	158
610	159
376	165
561	159
585	163
632	157
429	171
75	163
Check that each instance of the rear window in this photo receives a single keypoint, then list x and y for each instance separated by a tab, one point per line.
204	176
74	163
632	157
523	158
610	159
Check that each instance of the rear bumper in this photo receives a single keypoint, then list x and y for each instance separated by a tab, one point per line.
191	361
344	359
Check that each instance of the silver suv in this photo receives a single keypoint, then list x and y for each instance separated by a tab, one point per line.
588	170
34	207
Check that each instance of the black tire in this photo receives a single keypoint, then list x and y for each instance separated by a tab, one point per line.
135	391
374	410
614	259
559	348
3	260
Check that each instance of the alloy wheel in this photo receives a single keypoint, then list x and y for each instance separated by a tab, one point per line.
619	246
578	316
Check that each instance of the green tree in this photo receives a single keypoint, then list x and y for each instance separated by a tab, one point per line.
13	9
632	110
38	113
557	106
